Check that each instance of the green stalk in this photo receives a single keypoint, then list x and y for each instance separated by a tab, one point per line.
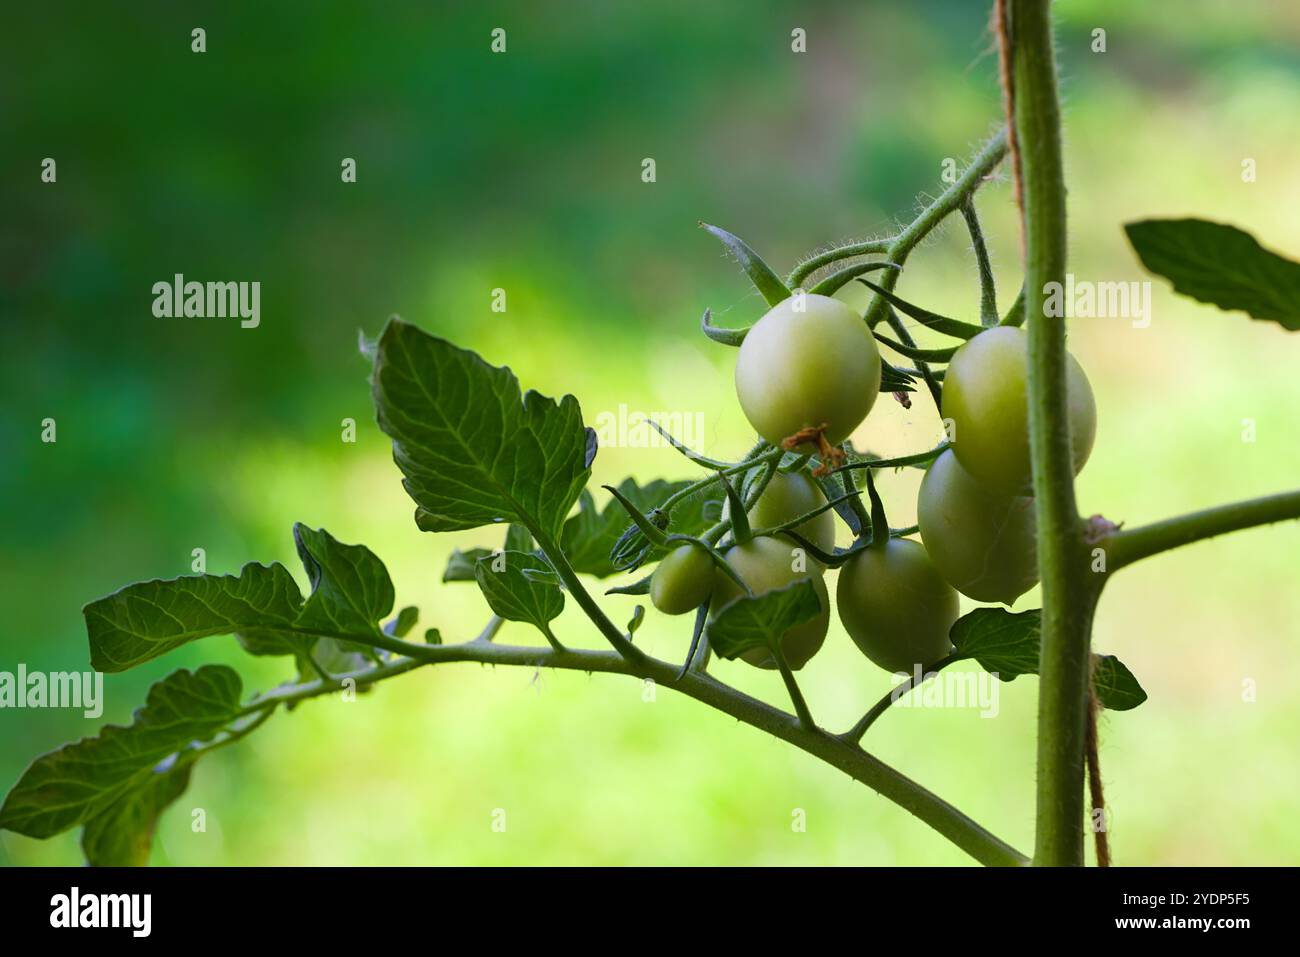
949	200
1068	595
947	820
1134	544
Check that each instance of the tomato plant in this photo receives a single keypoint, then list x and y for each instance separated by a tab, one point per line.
996	513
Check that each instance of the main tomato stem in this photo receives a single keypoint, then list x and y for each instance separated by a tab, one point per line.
1069	597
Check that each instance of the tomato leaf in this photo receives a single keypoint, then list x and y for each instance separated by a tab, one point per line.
114	779
590	535
401	626
351	592
1221	265
144	620
350	587
1007	645
516	595
1117	689
759	622
122	834
474	451
460	565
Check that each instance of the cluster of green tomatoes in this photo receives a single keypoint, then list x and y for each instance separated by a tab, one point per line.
807	374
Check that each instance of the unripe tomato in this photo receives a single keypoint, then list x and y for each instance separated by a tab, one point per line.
766	564
985	393
982	542
896	606
788	496
683	581
799	370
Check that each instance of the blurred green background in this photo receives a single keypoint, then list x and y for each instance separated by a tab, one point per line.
522	171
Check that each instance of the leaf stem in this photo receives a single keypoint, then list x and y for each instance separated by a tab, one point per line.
985	161
855	733
613	634
852	760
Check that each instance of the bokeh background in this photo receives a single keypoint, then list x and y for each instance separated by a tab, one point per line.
522	171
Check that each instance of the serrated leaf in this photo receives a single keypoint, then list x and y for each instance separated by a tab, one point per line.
513	594
1117	689
1008	645
81	781
590	535
351	592
473	450
759	622
350	587
1004	643
1221	265
147	619
122	834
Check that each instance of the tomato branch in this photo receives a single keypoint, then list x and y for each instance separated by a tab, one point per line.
947	820
1131	545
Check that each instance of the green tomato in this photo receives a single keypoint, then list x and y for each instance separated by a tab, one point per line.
985	394
788	496
766	564
683	581
896	606
809	368
982	542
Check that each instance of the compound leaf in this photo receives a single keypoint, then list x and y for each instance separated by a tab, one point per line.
472	449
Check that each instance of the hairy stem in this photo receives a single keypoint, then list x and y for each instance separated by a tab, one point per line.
1068	598
988	289
856	732
1131	545
852	760
613	634
949	200
810	266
